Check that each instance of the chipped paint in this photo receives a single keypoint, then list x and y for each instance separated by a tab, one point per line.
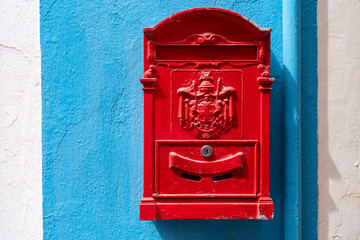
262	217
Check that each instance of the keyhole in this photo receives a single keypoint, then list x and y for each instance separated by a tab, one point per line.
206	151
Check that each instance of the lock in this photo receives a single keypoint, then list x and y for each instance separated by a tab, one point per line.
206	117
206	151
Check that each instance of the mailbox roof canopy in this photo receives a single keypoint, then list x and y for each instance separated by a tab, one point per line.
231	25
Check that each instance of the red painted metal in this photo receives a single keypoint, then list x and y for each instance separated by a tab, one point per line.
206	88
222	166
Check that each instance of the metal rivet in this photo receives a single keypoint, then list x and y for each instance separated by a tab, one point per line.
206	151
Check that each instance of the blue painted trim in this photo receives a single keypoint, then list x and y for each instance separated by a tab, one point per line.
309	142
292	111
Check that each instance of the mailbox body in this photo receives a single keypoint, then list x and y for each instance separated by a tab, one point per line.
206	117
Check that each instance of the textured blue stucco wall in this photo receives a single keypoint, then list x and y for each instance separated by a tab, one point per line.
309	141
92	120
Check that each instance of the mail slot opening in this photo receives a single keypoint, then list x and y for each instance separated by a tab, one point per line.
222	177
190	177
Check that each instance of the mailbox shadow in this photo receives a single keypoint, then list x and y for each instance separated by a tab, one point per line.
210	229
244	228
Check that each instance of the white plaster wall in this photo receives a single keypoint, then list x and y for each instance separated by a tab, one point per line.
20	121
339	119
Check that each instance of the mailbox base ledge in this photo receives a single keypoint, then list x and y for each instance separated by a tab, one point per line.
262	210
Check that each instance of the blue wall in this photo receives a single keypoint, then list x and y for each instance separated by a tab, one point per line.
92	120
309	150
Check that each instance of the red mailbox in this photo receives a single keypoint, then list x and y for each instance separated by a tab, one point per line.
206	117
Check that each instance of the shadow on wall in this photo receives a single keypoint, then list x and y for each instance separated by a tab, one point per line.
244	229
327	169
209	229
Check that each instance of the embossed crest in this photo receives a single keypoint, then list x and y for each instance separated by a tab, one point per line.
205	107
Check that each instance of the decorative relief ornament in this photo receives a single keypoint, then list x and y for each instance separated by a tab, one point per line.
206	108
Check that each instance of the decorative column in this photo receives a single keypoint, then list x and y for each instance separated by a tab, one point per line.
147	204
265	202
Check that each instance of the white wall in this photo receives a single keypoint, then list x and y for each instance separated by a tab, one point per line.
339	119
20	121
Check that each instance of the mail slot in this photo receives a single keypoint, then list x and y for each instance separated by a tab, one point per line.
206	117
